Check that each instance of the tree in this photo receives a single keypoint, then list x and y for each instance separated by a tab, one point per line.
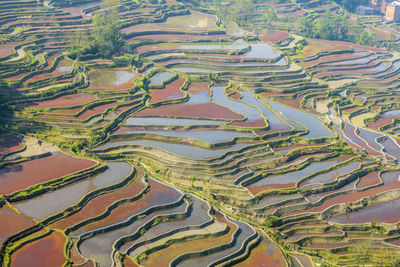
217	3
351	5
272	221
392	39
365	38
80	42
269	16
192	180
329	27
106	35
305	26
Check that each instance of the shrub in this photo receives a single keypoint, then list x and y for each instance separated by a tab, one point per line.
272	221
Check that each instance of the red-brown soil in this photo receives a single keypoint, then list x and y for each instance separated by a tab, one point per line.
76	257
257	189
6	49
157	191
236	96
128	262
265	254
329	58
379	123
46	75
271	94
253	124
63	101
9	143
209	110
177	36
23	175
292	102
204	110
352	197
97	110
180	248
50	61
369	180
275	36
349	131
171	91
125	86
45	252
67	111
12	222
99	204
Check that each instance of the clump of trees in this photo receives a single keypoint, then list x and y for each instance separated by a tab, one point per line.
329	27
351	5
334	27
241	16
272	221
366	38
105	39
268	17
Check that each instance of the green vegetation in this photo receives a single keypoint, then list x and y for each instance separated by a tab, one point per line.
243	146
105	39
106	35
328	27
272	221
351	5
367	38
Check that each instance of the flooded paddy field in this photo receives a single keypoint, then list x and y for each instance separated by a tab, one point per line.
201	143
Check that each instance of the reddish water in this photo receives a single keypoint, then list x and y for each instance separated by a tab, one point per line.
6	49
390	183
208	110
99	204
64	101
170	91
369	179
251	124
292	102
265	254
180	248
45	252
129	263
9	143
159	194
275	36
98	110
45	75
20	176
12	222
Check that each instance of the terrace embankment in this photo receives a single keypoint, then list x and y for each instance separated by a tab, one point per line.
198	127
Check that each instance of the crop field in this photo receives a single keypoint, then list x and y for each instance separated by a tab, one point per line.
198	146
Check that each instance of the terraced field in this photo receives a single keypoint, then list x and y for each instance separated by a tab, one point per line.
197	146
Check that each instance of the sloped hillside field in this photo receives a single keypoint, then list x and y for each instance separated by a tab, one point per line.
195	145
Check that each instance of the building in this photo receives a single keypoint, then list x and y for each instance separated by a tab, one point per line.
364	10
380	5
376	4
383	6
393	11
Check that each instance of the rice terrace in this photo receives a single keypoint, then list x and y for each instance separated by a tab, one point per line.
199	133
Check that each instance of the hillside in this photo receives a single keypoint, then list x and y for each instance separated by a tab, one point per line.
161	133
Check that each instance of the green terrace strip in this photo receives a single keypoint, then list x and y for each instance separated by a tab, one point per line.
211	133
